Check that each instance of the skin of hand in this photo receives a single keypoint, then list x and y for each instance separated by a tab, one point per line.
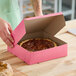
37	6
5	33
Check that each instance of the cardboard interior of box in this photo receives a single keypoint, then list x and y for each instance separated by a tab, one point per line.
44	28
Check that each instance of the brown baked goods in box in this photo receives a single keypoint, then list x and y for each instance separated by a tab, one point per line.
5	69
37	44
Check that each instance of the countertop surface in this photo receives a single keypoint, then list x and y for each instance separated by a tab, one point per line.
65	66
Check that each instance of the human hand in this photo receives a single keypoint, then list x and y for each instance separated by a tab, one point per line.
5	33
39	14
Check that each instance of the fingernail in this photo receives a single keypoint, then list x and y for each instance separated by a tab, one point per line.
12	40
11	46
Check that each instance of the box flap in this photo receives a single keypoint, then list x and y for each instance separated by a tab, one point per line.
19	32
57	23
51	23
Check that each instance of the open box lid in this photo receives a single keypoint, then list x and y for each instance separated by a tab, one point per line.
51	23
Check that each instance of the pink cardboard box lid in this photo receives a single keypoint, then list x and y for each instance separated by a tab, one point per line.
39	27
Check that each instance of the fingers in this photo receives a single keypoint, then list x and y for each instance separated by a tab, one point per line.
9	43
6	40
7	34
10	28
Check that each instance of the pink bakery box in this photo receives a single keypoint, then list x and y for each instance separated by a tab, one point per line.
45	26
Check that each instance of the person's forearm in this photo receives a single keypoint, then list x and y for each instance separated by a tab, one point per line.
37	6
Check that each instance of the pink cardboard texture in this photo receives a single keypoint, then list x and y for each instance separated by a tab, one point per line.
39	27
